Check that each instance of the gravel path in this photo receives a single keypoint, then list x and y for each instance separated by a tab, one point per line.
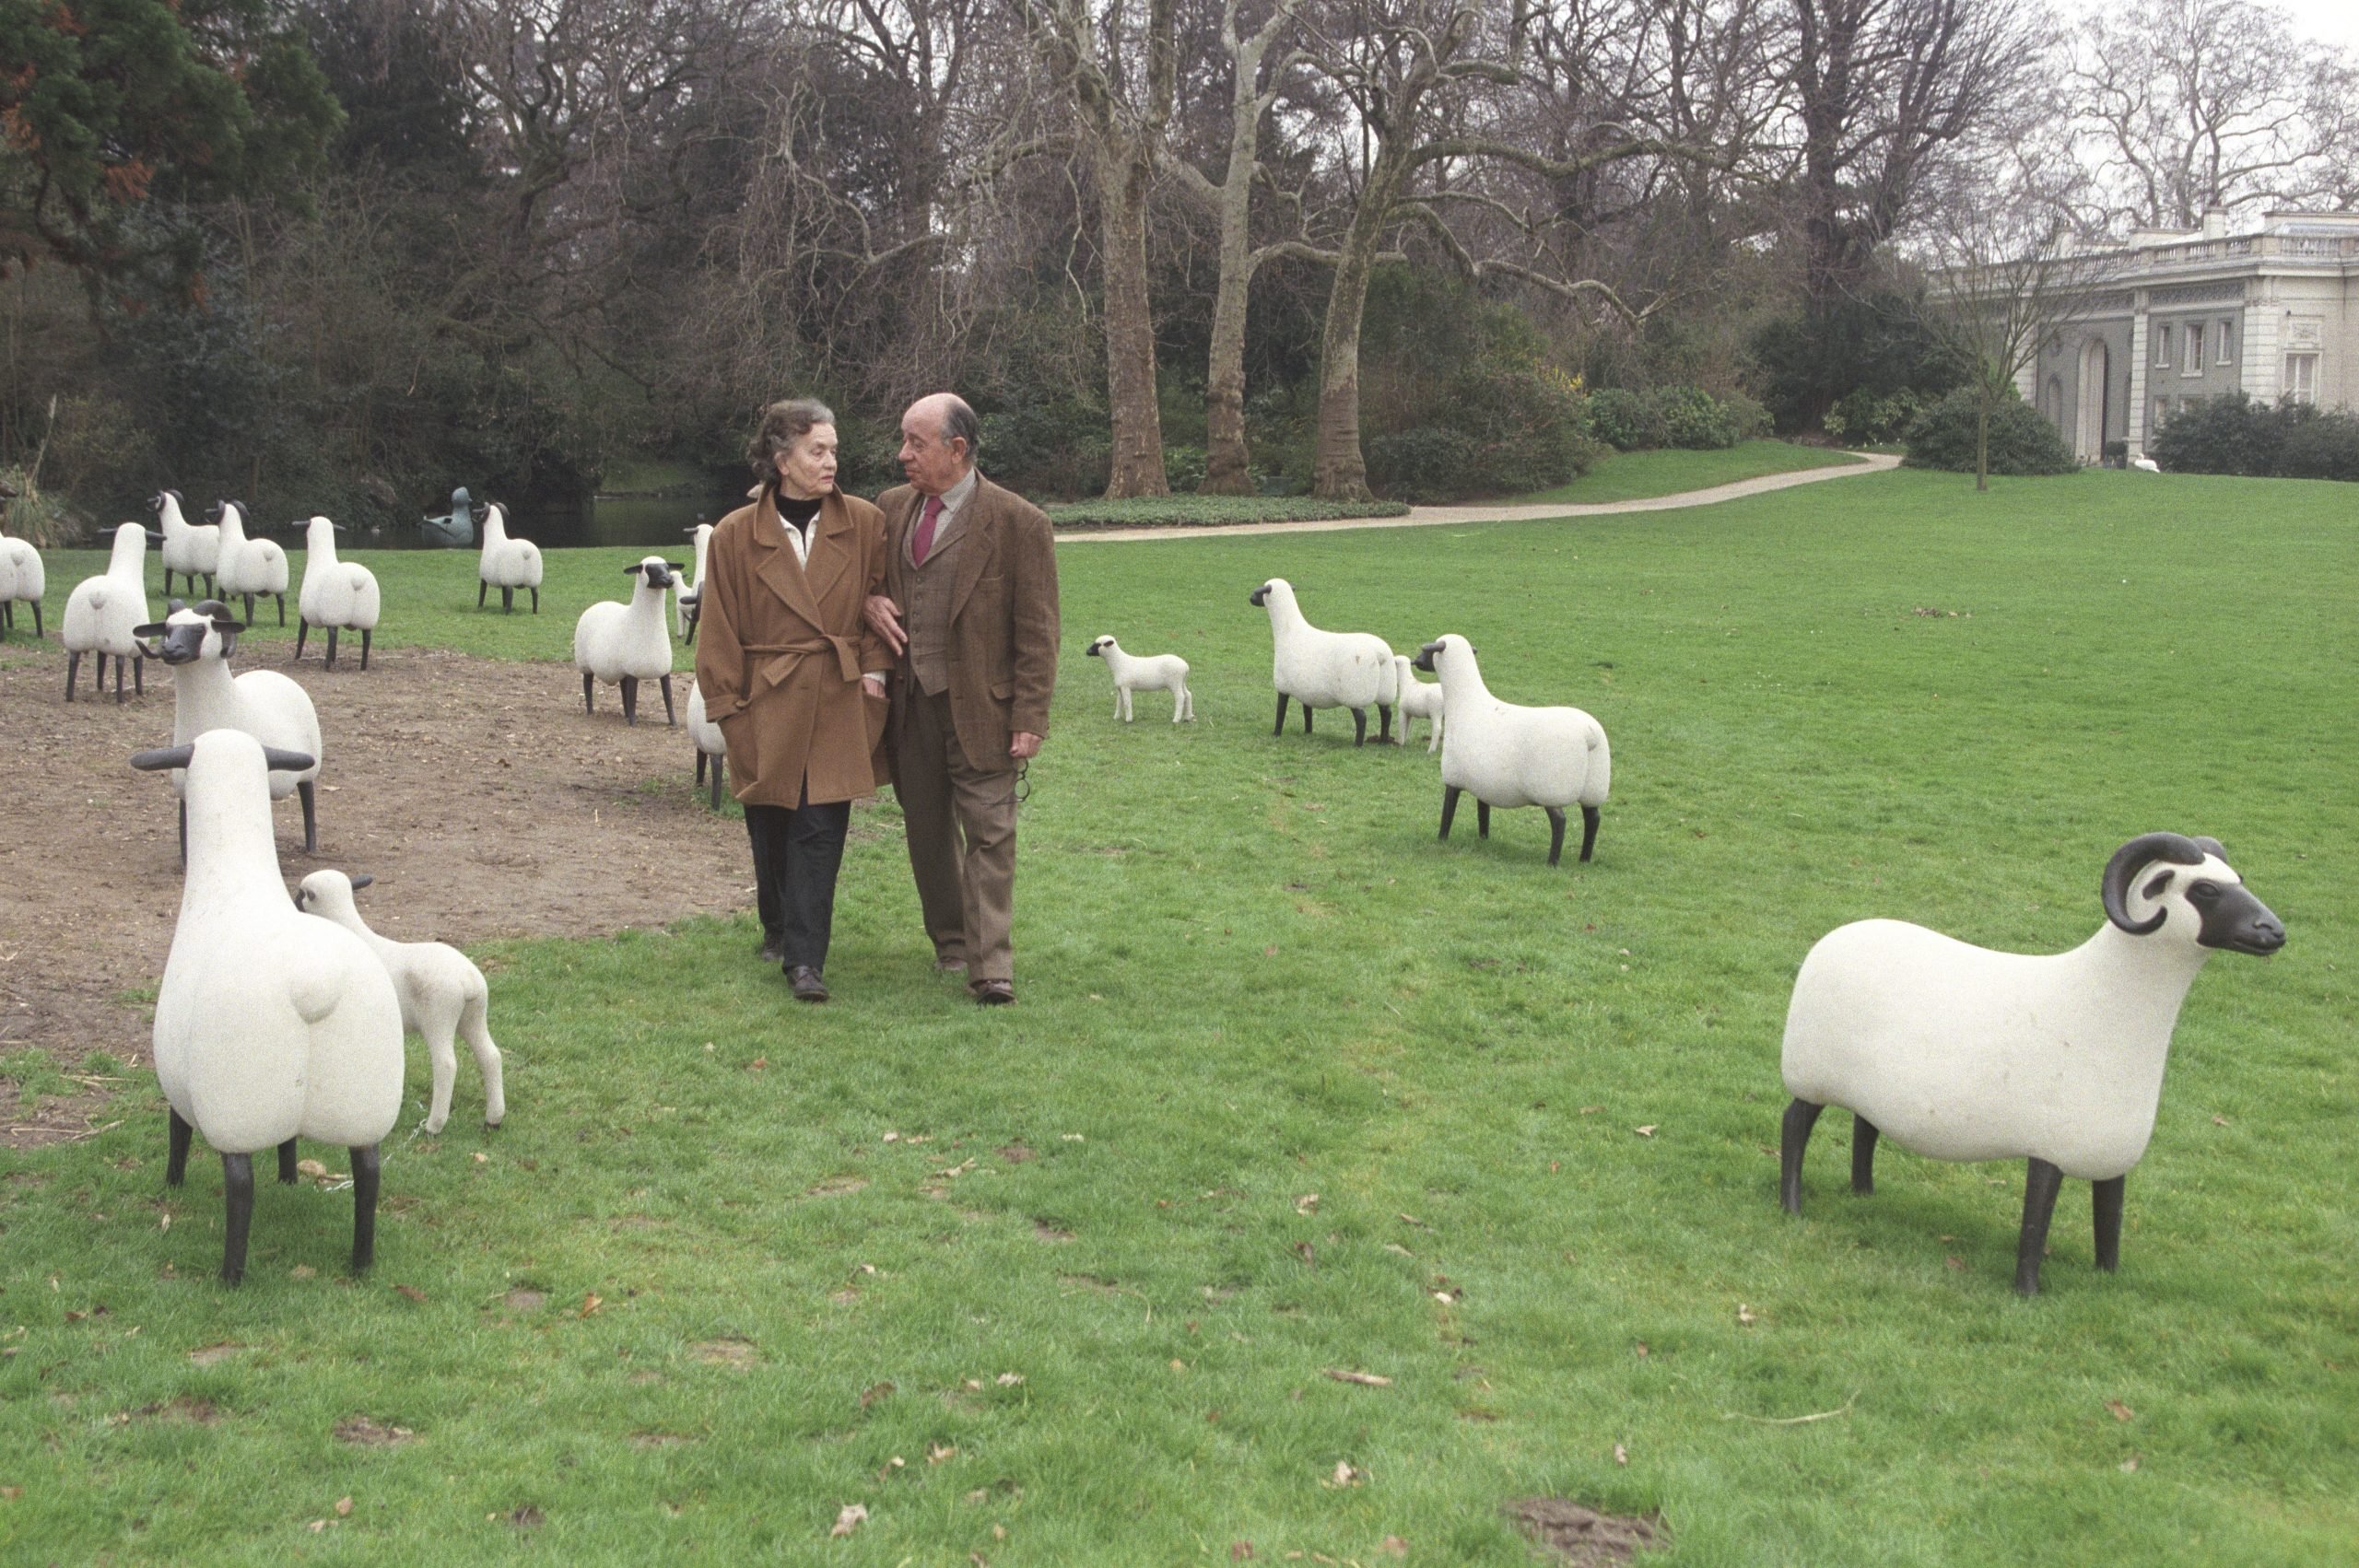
1427	517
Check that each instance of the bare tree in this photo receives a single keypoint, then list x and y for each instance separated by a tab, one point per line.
2195	104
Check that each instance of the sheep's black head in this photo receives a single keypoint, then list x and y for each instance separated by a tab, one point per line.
2194	870
1097	649
1259	597
180	639
658	573
1424	658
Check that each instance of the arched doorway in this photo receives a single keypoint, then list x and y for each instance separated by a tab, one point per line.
2088	442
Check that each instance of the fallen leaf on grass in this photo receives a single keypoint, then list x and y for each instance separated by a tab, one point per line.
165	1223
312	1168
1411	1220
1745	1316
1345	1475
1639	1349
1647	1130
875	1392
1307	1253
206	1356
1306	1204
955	1172
935	1453
852	1516
344	1507
1364	1379
1240	1552
1394	1546
1953	1263
412	1291
316	1526
592	1302
2219	1121
2130	1464
1621	1454
2120	1411
757	1064
302	1272
1010	1379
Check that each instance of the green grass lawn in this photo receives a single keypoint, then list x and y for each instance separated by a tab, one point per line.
1641	475
1050	1284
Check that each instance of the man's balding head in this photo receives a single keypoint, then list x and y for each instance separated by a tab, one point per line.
939	435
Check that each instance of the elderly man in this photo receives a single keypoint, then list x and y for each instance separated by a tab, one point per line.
971	609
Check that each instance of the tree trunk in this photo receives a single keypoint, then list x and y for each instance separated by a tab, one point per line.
1982	442
1130	330
1228	469
1342	470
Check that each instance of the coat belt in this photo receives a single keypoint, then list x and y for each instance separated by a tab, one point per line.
778	659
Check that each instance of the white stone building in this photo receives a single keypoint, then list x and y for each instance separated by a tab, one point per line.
2187	314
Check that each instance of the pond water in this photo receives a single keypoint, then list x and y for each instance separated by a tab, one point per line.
654	523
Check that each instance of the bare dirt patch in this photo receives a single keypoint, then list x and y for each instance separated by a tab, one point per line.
364	1431
482	799
1583	1536
737	1355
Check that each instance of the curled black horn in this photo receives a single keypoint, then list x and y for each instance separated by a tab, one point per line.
2210	846
361	878
2131	858
213	512
280	761
162	758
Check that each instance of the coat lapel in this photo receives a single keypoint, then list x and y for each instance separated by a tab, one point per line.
775	565
980	526
831	549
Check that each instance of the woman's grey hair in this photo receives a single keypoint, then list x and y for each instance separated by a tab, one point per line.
784	424
959	424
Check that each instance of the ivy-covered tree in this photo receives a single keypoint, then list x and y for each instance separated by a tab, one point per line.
116	114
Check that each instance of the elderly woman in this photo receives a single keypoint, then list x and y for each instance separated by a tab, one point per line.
794	675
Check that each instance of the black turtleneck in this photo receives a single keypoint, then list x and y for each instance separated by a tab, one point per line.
797	515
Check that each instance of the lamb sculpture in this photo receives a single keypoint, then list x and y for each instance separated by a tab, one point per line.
1549	757
23	579
1419	699
197	643
443	995
194	550
1154	673
270	1026
712	747
1960	1053
103	613
623	644
248	567
1322	669
506	563
337	595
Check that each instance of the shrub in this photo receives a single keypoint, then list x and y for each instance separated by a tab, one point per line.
1184	467
1868	418
2323	448
1626	420
1750	419
1805	363
2228	433
2022	440
1049	448
1492	430
1693	419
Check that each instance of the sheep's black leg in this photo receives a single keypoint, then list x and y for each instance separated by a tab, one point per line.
309	794
484	587
1306	719
691	639
701	759
167	582
73	670
1793	1137
1482	818
1863	1155
1384	722
366	634
1448	807
98	674
536	600
364	1206
2107	1196
1588	830
139	675
38	633
118	682
507	601
282	608
2041	1181
1555	833
238	1186
330	648
250	609
287	1172
630	699
586	706
669	721
302	632
176	1162
1359	726
716	783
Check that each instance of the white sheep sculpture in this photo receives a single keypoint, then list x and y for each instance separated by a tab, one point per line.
506	563
103	615
1507	755
444	997
23	581
686	603
712	747
1322	669
1956	1052
623	644
192	549
270	1025
1153	672
248	568
1419	699
337	595
196	642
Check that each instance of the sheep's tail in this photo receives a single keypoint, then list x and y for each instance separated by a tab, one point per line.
1600	781
475	1027
1390	679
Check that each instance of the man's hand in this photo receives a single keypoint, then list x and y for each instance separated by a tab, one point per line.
1024	745
872	684
884	618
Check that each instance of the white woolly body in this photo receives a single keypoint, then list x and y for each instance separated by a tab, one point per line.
335	593
695	585
612	640
443	995
269	1024
247	565
262	703
508	563
703	731
1419	699
22	577
1151	673
192	549
1508	755
1958	1052
102	610
1322	669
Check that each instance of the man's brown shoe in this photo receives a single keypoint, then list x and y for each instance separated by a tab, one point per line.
993	993
805	981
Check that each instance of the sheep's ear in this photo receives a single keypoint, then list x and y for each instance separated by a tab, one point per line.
632	571
2211	847
691	529
280	761
162	758
673	565
153	628
154	537
361	880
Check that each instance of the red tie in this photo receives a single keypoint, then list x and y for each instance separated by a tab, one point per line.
922	545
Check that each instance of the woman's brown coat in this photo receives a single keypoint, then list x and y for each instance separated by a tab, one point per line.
780	650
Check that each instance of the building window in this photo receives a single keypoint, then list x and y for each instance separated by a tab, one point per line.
2193	366
2223	357
2302	376
2162	346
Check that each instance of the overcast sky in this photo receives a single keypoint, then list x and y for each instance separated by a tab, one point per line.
2335	21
